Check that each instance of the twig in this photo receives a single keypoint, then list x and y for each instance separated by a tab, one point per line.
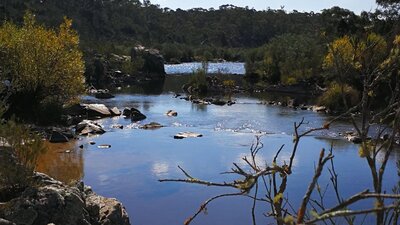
321	162
350	213
204	205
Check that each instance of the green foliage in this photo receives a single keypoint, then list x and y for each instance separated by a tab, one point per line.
127	23
338	95
288	59
43	65
198	79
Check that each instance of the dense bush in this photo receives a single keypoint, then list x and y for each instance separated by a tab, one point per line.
44	66
198	80
337	96
287	59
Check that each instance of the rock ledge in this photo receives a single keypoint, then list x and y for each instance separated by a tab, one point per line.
52	202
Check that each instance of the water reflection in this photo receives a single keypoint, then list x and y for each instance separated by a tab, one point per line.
160	169
63	162
130	169
199	107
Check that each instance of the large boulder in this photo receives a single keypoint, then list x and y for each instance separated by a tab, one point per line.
153	61
134	114
51	201
97	110
107	210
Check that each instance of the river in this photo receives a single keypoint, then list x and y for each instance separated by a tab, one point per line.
212	67
130	169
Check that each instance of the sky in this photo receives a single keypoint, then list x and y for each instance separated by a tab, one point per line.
300	5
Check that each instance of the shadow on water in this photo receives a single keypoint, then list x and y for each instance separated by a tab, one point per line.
64	162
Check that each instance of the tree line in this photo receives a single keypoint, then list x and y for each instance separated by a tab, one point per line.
185	35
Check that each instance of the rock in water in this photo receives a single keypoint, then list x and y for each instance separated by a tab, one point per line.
182	135
104	146
319	108
218	102
136	115
151	126
99	110
127	112
88	127
172	113
115	111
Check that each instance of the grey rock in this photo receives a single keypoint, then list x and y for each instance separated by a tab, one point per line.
97	110
319	108
52	202
5	222
87	127
151	126
115	111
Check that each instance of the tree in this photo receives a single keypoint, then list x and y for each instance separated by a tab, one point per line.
44	66
290	59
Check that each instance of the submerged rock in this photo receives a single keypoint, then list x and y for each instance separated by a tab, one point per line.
182	135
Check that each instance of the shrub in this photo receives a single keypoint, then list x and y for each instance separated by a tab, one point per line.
40	63
333	97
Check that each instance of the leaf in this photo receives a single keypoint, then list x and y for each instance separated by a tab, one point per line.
289	219
278	198
314	214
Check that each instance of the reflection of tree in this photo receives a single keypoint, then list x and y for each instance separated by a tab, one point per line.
60	165
199	107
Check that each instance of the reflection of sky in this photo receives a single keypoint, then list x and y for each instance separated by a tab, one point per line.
160	169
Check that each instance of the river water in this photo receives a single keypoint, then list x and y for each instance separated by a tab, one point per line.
130	169
221	67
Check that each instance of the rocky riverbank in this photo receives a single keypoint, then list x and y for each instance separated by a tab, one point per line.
52	202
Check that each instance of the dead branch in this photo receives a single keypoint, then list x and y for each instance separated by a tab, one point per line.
321	163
